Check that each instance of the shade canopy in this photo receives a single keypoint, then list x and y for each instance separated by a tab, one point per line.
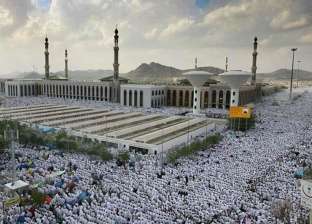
198	78
16	185
234	78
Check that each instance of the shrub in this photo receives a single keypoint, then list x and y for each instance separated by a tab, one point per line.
194	147
4	144
213	139
100	151
37	197
124	156
60	140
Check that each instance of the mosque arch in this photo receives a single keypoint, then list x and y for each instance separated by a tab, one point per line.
110	94
192	98
168	97
180	98
93	92
105	93
220	99
186	98
130	97
47	89
89	92
227	99
101	93
141	98
174	98
97	93
125	98
214	99
206	99
135	98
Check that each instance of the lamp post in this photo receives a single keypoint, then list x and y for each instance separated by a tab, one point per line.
298	73
292	72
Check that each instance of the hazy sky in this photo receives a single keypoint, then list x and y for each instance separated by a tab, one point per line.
171	32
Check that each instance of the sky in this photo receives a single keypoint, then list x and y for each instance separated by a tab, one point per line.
170	32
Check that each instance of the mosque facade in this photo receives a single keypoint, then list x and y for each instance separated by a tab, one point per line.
117	90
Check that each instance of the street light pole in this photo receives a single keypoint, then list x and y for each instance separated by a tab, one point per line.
292	72
298	73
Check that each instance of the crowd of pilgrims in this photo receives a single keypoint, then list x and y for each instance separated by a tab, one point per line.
238	181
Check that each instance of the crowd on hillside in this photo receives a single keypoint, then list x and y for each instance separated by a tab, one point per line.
240	181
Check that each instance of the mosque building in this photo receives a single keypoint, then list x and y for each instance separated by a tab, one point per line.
116	89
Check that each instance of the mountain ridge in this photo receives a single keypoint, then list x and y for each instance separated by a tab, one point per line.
285	74
157	73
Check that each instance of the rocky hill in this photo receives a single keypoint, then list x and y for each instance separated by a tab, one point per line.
285	74
30	75
155	72
158	74
88	74
76	75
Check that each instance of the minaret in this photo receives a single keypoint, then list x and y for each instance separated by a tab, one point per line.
116	51
66	64
226	63
254	62
196	63
46	53
116	69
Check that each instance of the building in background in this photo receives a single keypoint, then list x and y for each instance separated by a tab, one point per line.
116	89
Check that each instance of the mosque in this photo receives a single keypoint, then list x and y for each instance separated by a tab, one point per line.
116	89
